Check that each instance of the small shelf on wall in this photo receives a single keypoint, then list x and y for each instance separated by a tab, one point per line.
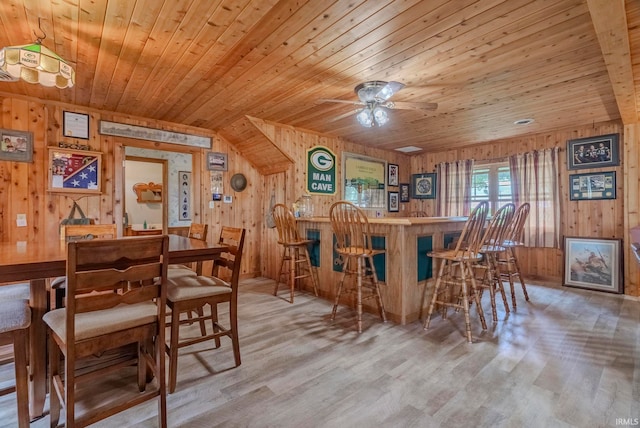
148	192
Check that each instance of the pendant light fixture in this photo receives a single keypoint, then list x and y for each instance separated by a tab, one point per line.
35	63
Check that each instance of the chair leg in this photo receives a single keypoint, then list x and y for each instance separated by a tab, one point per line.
293	257
474	288
432	305
54	391
498	277
173	349
233	323
311	273
214	323
284	257
340	285
22	388
360	268
515	262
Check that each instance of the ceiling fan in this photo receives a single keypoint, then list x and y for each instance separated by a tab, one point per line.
374	97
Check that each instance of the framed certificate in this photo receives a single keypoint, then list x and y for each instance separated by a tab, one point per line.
75	125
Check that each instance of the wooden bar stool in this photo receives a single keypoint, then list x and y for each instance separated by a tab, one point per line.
353	243
456	268
508	259
294	250
492	246
15	319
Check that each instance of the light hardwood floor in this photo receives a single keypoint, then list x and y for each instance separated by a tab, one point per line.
569	358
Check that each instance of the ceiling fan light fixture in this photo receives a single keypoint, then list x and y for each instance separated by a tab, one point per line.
380	115
365	117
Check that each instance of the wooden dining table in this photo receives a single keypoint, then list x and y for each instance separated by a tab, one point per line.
37	261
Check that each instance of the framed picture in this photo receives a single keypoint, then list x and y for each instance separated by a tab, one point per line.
75	125
392	174
423	186
592	186
16	146
593	152
404	192
594	264
184	184
393	202
78	171
216	161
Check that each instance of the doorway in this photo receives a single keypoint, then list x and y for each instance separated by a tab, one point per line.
145	196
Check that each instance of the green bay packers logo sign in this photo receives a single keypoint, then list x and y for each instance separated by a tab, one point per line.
321	171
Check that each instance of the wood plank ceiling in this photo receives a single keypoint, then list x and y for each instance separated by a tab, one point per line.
212	63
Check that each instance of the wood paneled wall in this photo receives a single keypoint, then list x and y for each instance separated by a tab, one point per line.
23	186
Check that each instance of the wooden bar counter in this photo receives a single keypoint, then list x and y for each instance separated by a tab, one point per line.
405	269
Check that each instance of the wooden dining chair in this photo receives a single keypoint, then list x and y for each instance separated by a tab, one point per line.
193	292
508	260
455	272
116	297
15	319
196	231
492	246
353	243
78	232
295	250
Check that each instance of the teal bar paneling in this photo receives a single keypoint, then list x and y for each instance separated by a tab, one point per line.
314	247
379	261
425	263
449	238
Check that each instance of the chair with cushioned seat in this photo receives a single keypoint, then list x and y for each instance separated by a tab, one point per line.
193	292
116	297
15	319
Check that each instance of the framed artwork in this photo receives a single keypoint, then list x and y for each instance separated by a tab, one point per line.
592	186
75	125
594	264
593	152
16	146
184	184
216	161
364	180
393	202
78	171
404	192
423	186
392	174
151	134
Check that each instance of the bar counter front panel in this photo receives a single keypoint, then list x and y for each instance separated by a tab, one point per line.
408	272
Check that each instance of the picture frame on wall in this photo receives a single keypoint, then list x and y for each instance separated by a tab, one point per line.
592	186
184	184
75	125
593	152
593	263
216	161
404	192
392	174
74	171
423	186
393	202
16	146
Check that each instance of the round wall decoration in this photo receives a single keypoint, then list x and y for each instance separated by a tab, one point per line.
238	182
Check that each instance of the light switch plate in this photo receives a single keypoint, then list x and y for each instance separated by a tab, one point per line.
21	220
212	204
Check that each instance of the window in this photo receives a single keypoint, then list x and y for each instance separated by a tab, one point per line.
491	183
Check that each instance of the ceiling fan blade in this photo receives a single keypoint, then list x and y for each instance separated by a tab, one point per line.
400	105
388	90
331	100
343	116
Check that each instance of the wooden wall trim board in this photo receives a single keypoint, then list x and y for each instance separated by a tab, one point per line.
22	185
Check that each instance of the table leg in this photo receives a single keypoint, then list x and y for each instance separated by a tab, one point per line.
38	349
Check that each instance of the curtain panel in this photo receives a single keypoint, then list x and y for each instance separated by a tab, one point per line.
534	179
454	187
